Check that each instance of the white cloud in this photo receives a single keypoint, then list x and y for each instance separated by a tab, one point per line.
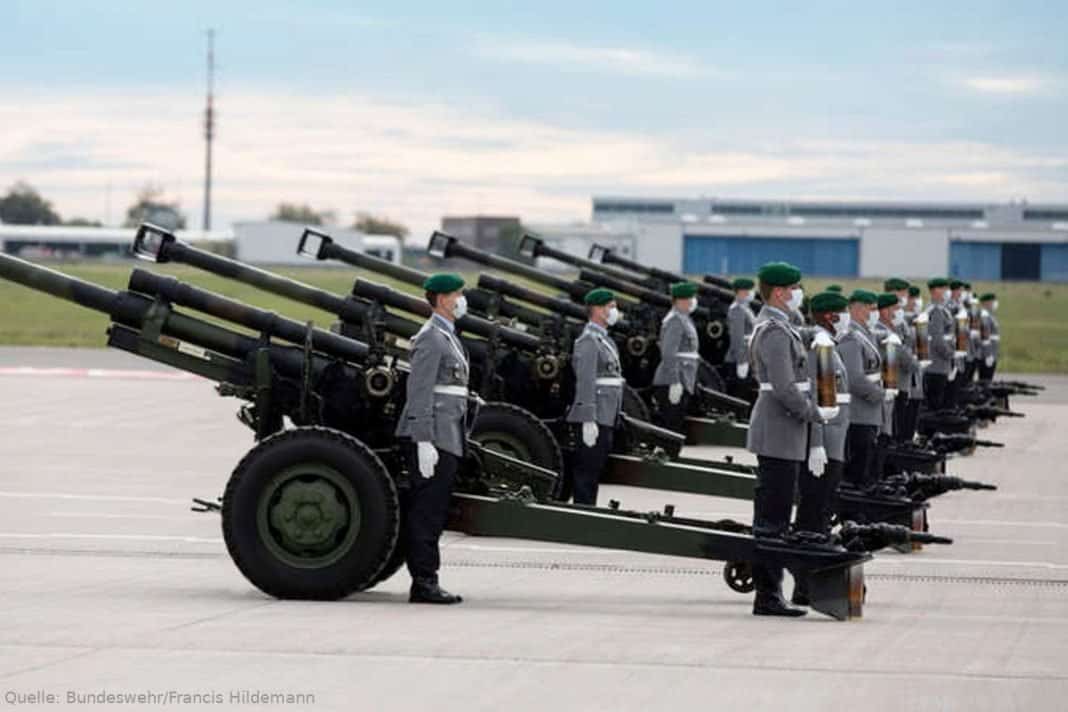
610	60
1006	85
417	162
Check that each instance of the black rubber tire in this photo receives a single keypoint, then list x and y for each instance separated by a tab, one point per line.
634	406
530	438
738	575
379	510
394	563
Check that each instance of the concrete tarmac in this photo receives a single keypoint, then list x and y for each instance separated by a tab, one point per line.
110	585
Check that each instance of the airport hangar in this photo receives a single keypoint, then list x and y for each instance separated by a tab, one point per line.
1012	241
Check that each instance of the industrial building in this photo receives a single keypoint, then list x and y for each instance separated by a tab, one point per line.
1012	241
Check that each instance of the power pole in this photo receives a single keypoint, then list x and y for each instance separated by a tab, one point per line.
209	129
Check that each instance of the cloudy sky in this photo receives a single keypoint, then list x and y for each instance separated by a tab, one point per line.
418	109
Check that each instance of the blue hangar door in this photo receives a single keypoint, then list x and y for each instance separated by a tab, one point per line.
736	254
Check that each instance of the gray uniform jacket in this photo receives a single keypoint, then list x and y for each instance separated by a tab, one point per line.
678	352
740	322
940	331
797	318
436	405
911	375
991	346
598	378
778	425
832	434
864	370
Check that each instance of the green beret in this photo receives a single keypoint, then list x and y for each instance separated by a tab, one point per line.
828	302
779	274
988	297
443	283
914	291
864	297
683	290
599	297
886	299
742	283
937	282
834	288
894	284
966	285
955	284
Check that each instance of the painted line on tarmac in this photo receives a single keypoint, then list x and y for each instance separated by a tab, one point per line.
121	537
101	515
91	497
931	561
1003	523
115	373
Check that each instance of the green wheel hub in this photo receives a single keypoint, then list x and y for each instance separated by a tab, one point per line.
308	515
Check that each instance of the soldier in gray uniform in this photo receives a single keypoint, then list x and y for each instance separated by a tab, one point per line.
914	305
778	427
910	374
740	321
974	357
990	337
598	395
822	473
860	353
433	432
892	325
676	375
940	332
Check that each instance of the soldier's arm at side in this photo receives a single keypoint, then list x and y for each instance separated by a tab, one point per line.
936	329
425	358
584	361
859	386
779	370
670	340
736	326
815	427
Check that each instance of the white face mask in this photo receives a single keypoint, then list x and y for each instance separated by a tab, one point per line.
750	297
919	304
994	305
898	318
842	325
902	301
873	318
613	316
945	297
460	307
691	306
797	296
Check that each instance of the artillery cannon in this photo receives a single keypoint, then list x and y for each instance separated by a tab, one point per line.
922	487
313	512
712	288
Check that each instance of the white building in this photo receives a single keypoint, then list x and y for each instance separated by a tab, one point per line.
1018	241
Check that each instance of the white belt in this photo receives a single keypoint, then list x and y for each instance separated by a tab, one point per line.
688	354
451	391
948	337
609	381
802	386
843	398
873	377
995	337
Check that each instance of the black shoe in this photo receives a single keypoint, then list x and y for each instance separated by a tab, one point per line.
775	606
431	593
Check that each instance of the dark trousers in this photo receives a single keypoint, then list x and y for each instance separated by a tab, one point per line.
971	366
906	413
587	464
426	511
818	498
860	454
671	416
773	499
934	389
744	388
986	373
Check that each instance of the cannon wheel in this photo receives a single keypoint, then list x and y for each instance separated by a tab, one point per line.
739	576
518	433
633	405
310	513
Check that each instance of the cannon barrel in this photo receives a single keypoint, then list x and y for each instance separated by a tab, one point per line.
600	254
1022	385
414	305
320	246
172	290
127	308
871	537
563	307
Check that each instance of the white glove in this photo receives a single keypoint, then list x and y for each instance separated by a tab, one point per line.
973	334
989	361
959	355
925	363
589	434
828	414
817	460
743	370
889	394
428	458
953	372
675	393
